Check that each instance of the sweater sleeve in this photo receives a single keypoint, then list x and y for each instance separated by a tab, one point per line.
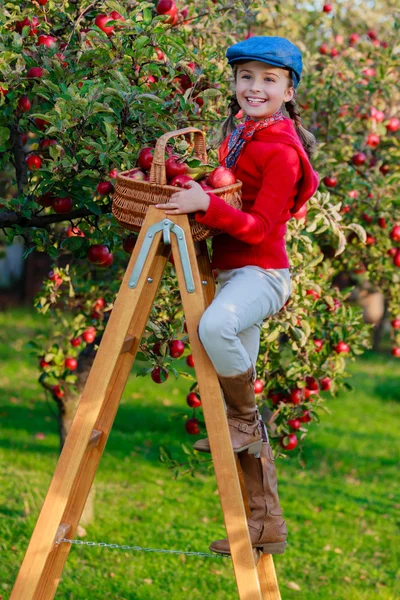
280	175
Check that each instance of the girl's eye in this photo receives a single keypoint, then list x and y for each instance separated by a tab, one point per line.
268	78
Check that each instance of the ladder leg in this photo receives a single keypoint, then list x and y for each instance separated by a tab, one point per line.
226	473
42	566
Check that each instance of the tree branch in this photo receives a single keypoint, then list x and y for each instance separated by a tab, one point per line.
9	218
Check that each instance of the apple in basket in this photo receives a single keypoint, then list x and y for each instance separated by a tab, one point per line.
145	158
136	174
174	168
221	177
205	185
181	181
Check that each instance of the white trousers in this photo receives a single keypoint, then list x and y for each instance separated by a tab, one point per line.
230	327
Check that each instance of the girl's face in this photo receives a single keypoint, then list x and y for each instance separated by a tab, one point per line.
256	79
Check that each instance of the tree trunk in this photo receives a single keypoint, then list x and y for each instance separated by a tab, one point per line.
67	406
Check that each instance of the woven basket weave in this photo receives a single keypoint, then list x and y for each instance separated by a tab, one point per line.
132	198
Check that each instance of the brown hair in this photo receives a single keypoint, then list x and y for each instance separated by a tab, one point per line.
306	137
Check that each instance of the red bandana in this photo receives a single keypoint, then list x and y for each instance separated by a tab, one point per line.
243	134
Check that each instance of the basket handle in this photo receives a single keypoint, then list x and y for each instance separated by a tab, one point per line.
157	169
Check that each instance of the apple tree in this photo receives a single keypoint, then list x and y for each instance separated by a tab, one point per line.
84	88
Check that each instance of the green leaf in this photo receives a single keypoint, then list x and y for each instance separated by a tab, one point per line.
4	135
147	16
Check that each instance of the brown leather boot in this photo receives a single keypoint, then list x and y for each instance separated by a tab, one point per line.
267	526
242	412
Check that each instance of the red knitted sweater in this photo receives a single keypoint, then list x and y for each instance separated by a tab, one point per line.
277	180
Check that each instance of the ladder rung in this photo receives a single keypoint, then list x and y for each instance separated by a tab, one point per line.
94	438
62	532
128	343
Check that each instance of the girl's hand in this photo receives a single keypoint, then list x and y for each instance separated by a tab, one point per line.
186	200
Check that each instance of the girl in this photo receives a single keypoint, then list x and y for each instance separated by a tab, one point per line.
269	153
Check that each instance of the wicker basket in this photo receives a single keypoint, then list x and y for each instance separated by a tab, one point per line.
132	198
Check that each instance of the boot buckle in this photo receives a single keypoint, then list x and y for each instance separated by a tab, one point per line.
243	427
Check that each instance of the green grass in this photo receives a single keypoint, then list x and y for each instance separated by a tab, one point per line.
341	509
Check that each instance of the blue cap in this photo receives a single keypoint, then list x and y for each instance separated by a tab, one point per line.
275	51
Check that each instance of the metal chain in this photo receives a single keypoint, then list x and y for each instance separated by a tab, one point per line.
138	548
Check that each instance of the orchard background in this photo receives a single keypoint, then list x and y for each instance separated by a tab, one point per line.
84	87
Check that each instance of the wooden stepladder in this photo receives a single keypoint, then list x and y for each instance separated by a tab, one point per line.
44	560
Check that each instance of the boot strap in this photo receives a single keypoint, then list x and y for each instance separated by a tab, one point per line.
244	427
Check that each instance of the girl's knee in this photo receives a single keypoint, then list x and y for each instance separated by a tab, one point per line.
213	327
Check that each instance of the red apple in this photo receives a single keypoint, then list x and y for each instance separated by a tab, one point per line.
392	251
325	384
221	177
354	38
145	158
74	232
181	181
330	181
312	293
324	49
258	386
193	400
393	125
318	345
98	254
89	336
190	360
168	7
113	173
176	348
294	423
101	22
104	188
34	161
35	72
276	397
301	214
43	364
312	384
108	262
76	342
159	375
296	395
173	167
137	174
395	233
341	347
372	35
192	426
46	40
41	124
373	140
395	351
358	159
24	104
62	205
382	222
27	23
289	442
46	143
396	259
116	16
327	8
129	242
305	417
58	391
395	323
334	52
384	169
71	363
